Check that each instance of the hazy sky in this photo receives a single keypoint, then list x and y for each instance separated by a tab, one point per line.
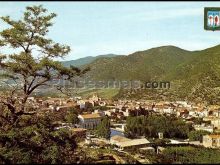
95	28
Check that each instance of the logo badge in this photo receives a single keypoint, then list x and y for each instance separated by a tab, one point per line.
212	18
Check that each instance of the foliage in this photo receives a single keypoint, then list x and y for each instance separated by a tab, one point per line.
191	155
103	129
37	142
32	64
161	142
193	75
198	120
72	116
151	125
197	135
27	137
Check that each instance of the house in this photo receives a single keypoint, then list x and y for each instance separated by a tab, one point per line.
183	103
168	110
212	141
216	122
201	112
209	128
119	127
97	111
89	121
108	112
214	110
216	113
209	118
81	103
192	113
95	98
182	112
54	101
63	108
77	98
126	113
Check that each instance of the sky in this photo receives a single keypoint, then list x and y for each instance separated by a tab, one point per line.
97	28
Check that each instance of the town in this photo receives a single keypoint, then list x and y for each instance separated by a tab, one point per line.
90	113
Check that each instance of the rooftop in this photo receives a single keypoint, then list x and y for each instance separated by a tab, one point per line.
134	142
214	136
91	116
119	138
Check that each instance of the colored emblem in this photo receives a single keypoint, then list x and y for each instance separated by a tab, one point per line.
212	18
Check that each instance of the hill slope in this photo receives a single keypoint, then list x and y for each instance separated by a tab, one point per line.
193	75
155	63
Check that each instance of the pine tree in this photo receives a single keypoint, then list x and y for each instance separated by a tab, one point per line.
32	64
26	137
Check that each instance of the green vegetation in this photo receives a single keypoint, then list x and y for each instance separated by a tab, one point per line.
103	129
161	142
103	93
98	155
143	65
27	137
185	155
27	71
151	125
193	75
72	116
197	135
189	155
36	141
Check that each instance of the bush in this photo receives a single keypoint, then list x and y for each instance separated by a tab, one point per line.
186	155
197	135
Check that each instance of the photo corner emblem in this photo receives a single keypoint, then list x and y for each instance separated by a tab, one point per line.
212	18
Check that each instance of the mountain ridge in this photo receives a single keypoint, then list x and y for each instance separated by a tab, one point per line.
85	60
194	74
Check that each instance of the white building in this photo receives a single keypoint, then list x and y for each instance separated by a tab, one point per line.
125	143
209	128
184	103
108	112
168	110
97	111
95	98
81	103
211	141
102	103
216	123
216	113
89	121
192	113
126	113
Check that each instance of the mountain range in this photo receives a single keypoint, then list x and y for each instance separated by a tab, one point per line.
194	75
85	60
